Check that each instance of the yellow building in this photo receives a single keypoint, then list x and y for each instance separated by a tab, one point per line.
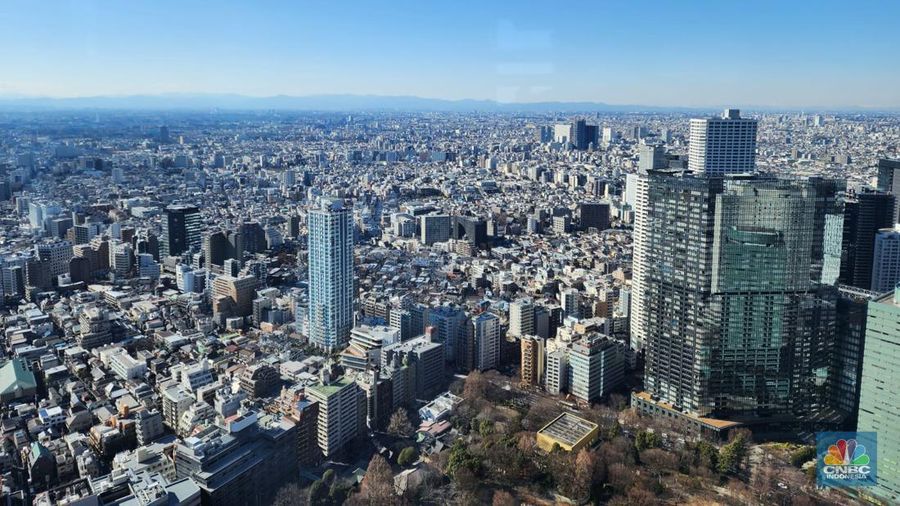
570	432
532	363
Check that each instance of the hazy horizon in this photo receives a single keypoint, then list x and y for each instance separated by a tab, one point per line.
696	55
350	101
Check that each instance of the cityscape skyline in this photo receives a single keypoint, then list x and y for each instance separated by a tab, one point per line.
415	253
770	56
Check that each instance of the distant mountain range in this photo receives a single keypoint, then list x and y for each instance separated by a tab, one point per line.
187	101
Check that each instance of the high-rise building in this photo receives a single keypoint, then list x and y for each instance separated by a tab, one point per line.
879	396
331	284
609	135
147	266
215	248
596	366
304	412
254	237
121	257
148	426
342	413
562	133
94	328
864	216
54	257
59	227
579	134
725	145
594	215
12	276
401	319
419	367
486	331
582	135
233	296
639	184
652	158
379	395
435	228
521	318
366	342
886	260
560	224
556	380
843	385
570	301
543	134
736	322
449	329
532	360
181	229
542	324
245	460
889	182
472	230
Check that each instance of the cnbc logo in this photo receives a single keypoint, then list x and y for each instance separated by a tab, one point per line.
846	459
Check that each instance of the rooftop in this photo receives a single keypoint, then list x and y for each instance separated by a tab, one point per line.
14	375
331	388
711	422
568	429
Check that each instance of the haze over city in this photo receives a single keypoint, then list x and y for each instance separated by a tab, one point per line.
695	54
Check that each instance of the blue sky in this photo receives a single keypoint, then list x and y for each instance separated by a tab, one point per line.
680	53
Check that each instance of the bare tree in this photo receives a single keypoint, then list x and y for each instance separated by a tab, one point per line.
377	486
290	495
660	460
620	477
539	414
399	424
636	496
476	386
584	474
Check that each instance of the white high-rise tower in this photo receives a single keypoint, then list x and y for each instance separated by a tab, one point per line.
639	262
725	145
330	275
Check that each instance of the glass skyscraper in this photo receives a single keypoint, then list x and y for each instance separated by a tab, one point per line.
879	399
864	216
737	323
181	229
330	275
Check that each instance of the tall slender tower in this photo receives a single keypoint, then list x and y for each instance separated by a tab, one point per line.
330	275
637	329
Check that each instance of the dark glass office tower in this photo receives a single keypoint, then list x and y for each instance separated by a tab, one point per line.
864	215
852	313
889	182
679	237
739	325
181	229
